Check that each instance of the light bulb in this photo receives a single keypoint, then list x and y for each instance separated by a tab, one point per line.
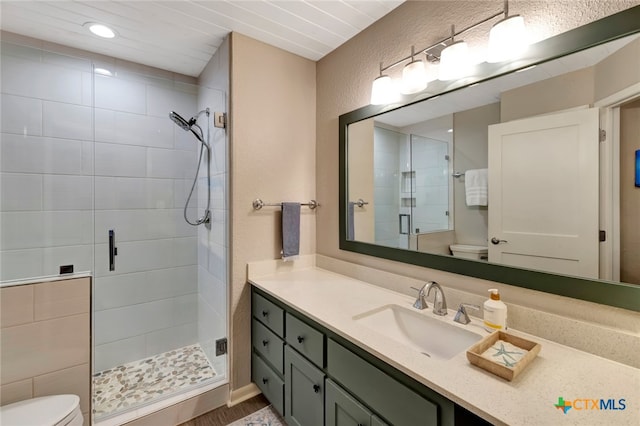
414	78
100	30
507	39
454	61
383	91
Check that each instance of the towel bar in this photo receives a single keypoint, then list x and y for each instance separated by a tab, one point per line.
258	204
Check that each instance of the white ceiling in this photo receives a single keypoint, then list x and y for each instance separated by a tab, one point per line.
182	35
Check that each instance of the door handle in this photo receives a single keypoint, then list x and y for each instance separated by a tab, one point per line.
496	241
113	250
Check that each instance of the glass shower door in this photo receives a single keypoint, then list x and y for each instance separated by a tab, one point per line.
155	330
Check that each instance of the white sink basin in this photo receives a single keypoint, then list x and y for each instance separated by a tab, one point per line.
432	337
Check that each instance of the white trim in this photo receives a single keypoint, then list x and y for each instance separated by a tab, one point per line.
610	179
615	188
244	393
45	279
620	97
607	168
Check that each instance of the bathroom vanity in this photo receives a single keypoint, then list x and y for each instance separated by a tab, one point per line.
318	363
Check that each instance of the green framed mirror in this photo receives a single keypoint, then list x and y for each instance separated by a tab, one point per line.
618	34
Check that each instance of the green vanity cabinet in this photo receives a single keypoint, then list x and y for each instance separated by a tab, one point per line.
304	391
314	377
394	401
342	409
267	359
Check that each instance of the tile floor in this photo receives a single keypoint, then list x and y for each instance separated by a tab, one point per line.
123	387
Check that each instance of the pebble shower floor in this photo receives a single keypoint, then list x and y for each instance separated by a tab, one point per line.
135	383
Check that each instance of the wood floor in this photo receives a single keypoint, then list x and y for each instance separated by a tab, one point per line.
223	416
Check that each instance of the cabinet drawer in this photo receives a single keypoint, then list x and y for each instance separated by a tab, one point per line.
268	345
269	383
268	313
305	339
397	403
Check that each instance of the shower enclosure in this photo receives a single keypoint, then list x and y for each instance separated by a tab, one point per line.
96	176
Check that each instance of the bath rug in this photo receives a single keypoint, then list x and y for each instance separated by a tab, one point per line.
266	416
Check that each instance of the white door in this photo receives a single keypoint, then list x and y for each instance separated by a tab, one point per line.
543	196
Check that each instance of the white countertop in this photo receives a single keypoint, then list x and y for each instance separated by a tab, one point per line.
333	300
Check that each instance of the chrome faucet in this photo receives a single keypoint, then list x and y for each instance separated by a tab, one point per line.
420	302
439	303
461	316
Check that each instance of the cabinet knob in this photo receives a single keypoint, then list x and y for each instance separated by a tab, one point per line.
265	313
265	342
316	388
300	339
265	380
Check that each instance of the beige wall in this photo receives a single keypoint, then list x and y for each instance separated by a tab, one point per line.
344	77
45	341
575	89
344	82
559	93
272	119
618	71
629	193
471	152
361	179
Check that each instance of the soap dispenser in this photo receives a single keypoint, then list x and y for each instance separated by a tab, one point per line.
495	312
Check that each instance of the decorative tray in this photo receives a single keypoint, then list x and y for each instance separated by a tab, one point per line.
503	354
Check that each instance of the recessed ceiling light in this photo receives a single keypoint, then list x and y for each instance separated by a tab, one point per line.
103	71
450	131
100	30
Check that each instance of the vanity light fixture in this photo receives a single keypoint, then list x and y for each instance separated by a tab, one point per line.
452	56
414	76
100	30
508	38
454	60
382	90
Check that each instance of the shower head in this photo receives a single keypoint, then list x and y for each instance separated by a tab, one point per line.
180	121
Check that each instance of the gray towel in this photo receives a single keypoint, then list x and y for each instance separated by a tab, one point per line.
290	230
350	224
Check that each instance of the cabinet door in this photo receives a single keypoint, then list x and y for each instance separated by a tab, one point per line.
304	391
375	421
341	409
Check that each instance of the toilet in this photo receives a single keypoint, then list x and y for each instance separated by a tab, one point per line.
55	410
468	251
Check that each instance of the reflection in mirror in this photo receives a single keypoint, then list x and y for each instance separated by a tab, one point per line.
510	170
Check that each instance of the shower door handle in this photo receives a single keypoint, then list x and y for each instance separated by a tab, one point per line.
113	250
404	224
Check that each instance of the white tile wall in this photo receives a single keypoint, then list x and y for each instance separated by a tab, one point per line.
119	352
120	94
21	115
120	160
17	264
126	289
133	320
20	192
67	121
81	154
29	78
67	192
32	154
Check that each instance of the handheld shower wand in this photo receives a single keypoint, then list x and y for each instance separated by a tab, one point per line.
190	125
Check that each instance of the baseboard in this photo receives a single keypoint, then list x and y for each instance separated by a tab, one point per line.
246	392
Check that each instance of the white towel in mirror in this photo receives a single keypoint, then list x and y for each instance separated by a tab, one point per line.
476	185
